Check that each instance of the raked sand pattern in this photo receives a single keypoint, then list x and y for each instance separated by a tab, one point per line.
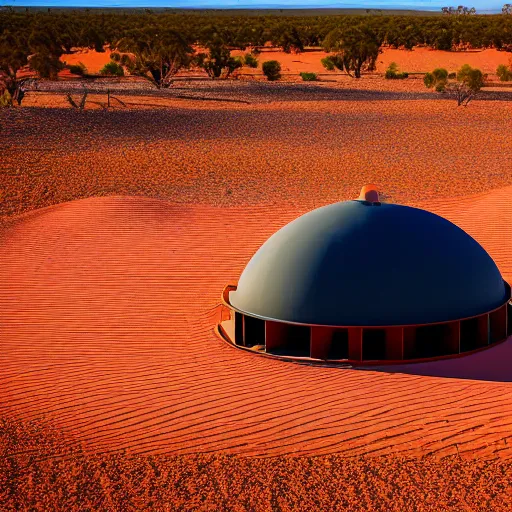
107	314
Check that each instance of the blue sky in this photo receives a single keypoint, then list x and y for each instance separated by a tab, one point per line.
480	5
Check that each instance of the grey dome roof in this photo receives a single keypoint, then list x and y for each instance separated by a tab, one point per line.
363	264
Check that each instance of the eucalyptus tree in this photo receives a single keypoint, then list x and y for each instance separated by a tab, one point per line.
217	62
14	55
358	47
156	53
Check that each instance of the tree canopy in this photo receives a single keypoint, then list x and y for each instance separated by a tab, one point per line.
357	47
158	53
95	28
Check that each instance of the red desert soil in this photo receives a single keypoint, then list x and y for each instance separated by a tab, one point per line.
108	310
108	304
33	480
418	60
301	146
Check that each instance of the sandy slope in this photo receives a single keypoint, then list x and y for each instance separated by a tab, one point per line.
107	313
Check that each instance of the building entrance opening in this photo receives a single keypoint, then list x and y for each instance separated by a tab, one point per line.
374	344
254	331
299	340
339	345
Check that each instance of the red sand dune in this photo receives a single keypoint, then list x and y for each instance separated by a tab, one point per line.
108	307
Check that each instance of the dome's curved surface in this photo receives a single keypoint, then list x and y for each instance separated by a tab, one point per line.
354	263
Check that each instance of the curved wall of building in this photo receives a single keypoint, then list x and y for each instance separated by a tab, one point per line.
356	344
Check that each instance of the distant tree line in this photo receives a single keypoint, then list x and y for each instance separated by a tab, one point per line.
157	44
83	28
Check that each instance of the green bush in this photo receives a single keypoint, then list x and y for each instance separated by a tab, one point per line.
436	80
112	69
440	74
393	74
472	77
327	64
331	62
441	86
250	60
5	99
78	69
308	77
429	80
504	73
272	69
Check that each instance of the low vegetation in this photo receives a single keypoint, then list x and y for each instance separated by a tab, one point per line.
392	73
5	98
436	80
250	60
78	69
504	72
112	69
332	62
468	82
272	70
308	77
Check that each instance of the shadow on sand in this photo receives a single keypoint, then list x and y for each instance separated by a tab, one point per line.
493	364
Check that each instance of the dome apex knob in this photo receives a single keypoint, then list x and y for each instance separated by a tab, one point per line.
369	193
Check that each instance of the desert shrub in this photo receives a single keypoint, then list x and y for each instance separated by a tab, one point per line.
440	86
250	60
115	56
440	74
392	72
5	98
468	83
112	69
472	77
308	77
428	80
332	62
272	69
504	73
327	64
78	69
436	80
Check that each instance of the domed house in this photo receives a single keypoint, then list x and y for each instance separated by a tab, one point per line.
363	281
